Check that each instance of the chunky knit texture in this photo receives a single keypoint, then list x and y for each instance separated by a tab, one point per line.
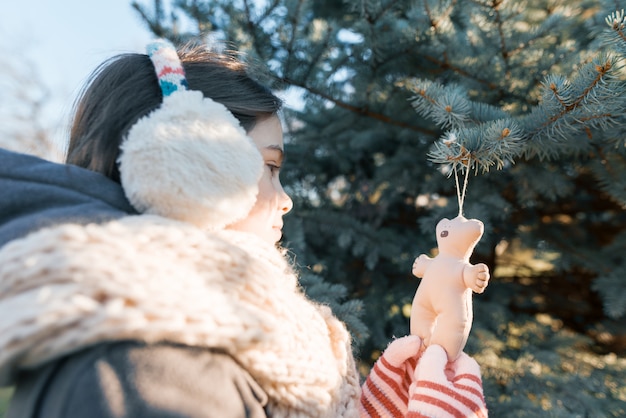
151	279
443	389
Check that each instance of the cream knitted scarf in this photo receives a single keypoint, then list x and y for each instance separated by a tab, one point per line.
152	279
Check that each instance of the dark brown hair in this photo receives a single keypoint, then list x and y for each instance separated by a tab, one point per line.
125	88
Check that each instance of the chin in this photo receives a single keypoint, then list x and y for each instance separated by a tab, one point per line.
275	236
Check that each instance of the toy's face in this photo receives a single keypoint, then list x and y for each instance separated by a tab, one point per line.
458	235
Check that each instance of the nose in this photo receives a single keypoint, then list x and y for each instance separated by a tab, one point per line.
286	204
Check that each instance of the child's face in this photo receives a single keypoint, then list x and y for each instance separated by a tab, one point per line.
266	217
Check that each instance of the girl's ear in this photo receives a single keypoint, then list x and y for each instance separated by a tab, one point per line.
189	159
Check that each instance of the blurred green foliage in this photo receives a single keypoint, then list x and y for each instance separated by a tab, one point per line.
535	89
5	395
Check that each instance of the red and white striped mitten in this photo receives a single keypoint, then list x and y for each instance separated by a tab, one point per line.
443	390
385	392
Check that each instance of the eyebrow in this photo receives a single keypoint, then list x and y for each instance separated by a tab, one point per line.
276	148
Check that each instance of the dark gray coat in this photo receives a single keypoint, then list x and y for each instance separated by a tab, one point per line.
117	379
128	379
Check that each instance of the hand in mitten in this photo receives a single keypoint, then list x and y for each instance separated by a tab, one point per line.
443	389
385	392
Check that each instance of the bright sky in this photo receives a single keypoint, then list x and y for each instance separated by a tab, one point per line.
66	39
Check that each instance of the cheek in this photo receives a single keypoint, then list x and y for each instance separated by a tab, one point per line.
265	187
267	196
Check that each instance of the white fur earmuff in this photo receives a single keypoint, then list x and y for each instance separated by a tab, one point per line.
190	160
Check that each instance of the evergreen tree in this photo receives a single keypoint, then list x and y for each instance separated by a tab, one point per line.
526	97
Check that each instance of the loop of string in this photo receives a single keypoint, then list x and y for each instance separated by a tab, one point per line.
461	194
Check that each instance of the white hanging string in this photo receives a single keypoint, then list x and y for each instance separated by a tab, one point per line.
460	194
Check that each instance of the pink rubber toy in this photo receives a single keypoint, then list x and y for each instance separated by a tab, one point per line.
442	310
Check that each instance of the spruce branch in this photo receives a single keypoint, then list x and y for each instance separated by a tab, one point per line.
356	109
616	21
445	64
434	23
268	11
204	24
252	32
480	139
493	143
317	56
616	36
370	15
611	287
154	21
481	136
568	105
383	10
293	19
547	27
503	47
609	169
447	106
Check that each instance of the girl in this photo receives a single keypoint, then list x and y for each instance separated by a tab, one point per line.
142	279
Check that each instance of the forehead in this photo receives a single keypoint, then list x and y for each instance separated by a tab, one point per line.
267	133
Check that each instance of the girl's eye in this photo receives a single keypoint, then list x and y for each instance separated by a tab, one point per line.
273	168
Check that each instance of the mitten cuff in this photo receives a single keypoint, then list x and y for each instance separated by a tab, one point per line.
433	400
433	395
385	391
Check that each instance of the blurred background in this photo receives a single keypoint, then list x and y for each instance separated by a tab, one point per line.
534	91
47	50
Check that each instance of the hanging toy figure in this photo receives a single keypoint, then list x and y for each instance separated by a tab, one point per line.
442	307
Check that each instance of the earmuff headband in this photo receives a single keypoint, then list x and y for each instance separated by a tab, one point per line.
167	65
